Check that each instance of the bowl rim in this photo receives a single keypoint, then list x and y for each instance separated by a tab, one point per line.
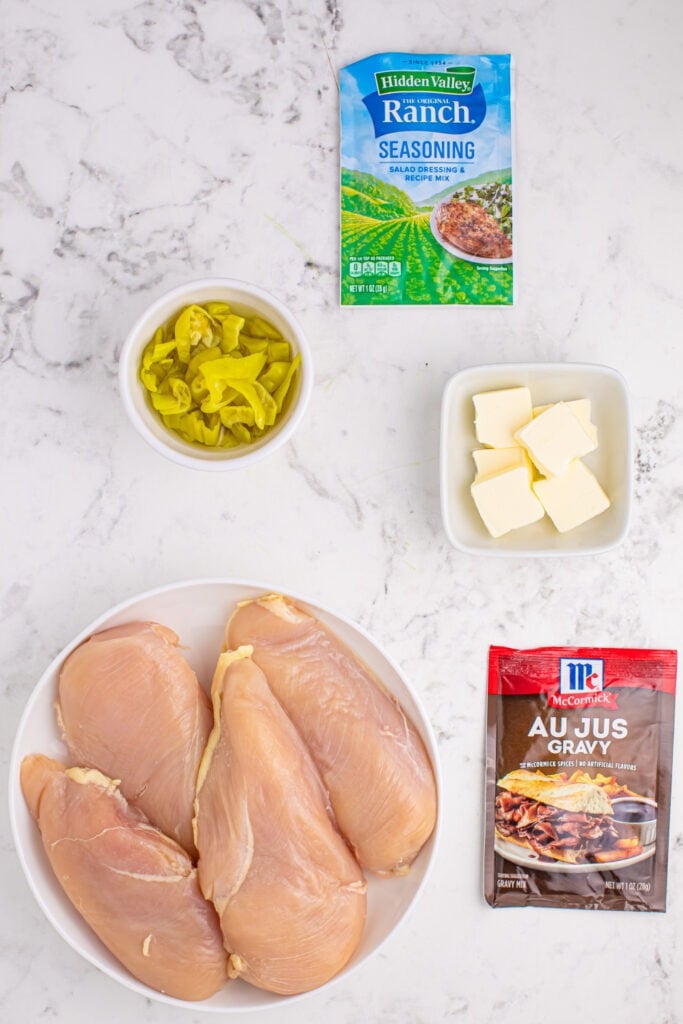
250	455
14	789
600	369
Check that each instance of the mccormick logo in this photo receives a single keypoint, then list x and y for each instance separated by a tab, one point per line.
582	685
581	676
454	81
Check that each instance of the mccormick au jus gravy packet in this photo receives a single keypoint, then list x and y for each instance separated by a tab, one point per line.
426	180
578	777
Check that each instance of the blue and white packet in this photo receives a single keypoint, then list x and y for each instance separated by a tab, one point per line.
426	180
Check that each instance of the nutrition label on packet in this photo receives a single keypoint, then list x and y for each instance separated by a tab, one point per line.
426	180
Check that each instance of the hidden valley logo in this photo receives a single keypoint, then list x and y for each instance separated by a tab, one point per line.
426	101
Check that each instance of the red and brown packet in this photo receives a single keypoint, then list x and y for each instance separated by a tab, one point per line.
578	777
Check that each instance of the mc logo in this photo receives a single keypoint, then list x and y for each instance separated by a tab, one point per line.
585	676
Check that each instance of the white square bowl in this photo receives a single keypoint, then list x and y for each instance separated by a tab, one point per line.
612	462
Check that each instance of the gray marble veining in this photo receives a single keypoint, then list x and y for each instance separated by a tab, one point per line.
144	144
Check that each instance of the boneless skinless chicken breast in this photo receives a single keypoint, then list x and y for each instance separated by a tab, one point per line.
131	706
136	888
289	894
371	759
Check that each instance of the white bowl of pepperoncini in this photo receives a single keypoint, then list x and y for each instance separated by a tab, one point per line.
216	374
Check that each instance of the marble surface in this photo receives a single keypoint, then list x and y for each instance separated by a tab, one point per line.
144	144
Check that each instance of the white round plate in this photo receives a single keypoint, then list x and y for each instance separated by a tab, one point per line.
529	859
197	611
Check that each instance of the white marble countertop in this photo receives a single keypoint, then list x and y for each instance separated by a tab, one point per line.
145	144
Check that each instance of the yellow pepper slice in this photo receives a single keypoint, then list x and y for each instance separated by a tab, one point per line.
156	361
279	351
228	368
213	403
257	327
249	392
231	326
179	399
231	414
194	325
268	403
274	376
229	322
240	432
203	356
250	345
193	427
282	391
156	351
217	310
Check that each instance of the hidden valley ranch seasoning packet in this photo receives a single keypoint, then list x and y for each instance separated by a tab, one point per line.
426	180
578	777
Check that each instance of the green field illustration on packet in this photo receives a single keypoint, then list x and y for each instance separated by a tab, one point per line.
392	250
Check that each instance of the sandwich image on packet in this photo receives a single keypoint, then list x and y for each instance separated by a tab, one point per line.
426	180
578	777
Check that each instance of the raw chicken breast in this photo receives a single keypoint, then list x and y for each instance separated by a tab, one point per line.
136	888
371	759
289	894
131	706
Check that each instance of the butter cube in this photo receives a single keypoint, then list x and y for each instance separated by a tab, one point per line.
554	439
494	460
572	498
505	501
500	414
581	407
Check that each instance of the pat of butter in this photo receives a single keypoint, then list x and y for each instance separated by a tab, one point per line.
554	439
581	407
572	498
500	414
494	460
505	501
